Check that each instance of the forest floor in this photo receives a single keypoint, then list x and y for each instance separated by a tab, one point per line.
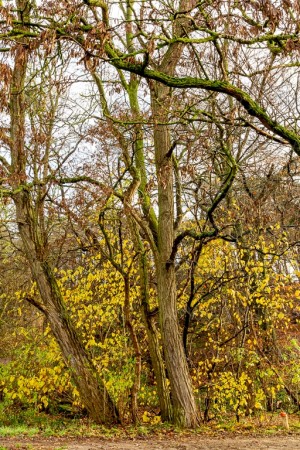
227	441
45	432
198	442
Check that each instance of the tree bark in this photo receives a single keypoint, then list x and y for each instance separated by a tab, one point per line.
91	388
154	343
185	412
184	406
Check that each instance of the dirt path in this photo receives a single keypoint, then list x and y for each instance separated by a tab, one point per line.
182	443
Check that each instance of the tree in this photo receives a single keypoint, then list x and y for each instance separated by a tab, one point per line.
29	200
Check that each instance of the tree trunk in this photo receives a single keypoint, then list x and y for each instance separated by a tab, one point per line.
185	411
137	351
29	216
91	388
157	361
154	344
184	406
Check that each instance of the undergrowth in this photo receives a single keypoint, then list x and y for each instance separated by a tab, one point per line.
29	423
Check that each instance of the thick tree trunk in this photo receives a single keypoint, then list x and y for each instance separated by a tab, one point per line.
91	388
29	217
184	406
185	411
157	361
159	369
154	343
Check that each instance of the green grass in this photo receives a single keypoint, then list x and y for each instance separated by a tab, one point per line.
23	430
29	422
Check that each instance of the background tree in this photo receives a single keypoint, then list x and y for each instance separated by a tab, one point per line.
29	177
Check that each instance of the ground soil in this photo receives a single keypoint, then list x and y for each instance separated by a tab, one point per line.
199	442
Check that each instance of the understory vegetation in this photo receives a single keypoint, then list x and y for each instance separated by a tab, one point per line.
149	212
241	340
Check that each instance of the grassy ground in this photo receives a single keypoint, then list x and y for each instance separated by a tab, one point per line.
14	422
